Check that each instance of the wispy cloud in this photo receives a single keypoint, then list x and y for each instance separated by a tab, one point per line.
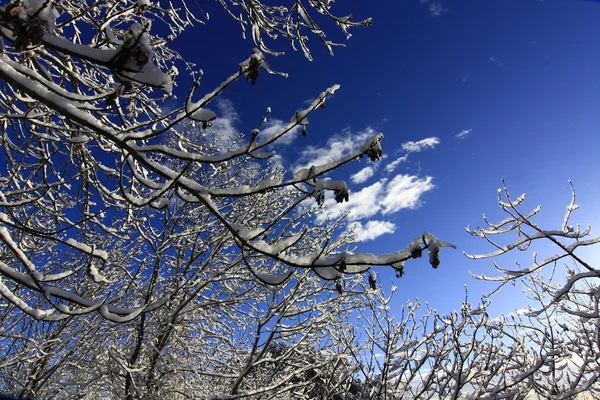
500	63
337	147
435	8
225	127
463	134
224	124
372	229
363	175
391	167
414	147
274	125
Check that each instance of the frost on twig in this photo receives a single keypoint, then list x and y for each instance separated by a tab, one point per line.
98	173
197	262
567	240
161	175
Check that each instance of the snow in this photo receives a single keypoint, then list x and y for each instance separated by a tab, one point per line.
96	275
273	280
434	245
149	74
81	101
256	56
48	14
161	203
415	247
17	276
10	296
300	117
277	247
245	233
105	311
87	249
73	106
478	311
373	276
326	266
340	188
6	237
52	100
202	114
328	273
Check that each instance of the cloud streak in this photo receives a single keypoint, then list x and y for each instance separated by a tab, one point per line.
363	175
391	167
435	8
274	125
423	144
225	128
463	134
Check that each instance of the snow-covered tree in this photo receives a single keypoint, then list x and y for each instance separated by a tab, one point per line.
549	349
94	165
141	254
561	325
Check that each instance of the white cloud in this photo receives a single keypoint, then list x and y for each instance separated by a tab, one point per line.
413	147
227	133
224	124
392	166
463	134
337	147
404	191
277	159
386	197
362	204
363	175
373	229
273	126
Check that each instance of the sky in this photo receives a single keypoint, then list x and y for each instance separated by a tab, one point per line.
466	93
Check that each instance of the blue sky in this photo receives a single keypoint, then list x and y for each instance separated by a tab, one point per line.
521	76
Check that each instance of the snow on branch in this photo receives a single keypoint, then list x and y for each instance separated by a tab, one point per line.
140	160
567	239
106	171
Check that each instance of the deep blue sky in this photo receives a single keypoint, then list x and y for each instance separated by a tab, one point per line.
522	75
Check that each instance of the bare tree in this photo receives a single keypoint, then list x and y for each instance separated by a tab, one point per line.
93	163
191	256
550	349
563	321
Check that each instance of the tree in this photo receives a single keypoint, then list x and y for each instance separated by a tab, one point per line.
165	236
144	256
92	163
563	325
550	350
